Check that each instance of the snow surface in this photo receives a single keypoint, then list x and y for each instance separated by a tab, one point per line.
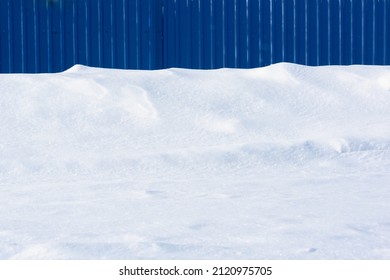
280	162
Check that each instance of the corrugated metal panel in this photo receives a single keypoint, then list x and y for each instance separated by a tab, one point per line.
53	35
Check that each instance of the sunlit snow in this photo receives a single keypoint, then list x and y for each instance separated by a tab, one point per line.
280	162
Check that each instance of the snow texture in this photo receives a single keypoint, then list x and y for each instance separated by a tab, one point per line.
280	162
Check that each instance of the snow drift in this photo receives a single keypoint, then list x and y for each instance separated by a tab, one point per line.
280	162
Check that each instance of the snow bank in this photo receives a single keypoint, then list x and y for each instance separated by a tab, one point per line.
281	162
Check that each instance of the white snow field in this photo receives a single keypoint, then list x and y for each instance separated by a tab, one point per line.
280	162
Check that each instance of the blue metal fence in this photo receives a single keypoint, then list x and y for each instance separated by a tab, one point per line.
53	35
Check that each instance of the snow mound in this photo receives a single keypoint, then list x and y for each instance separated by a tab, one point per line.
285	161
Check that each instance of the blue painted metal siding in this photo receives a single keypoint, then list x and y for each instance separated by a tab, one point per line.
53	35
